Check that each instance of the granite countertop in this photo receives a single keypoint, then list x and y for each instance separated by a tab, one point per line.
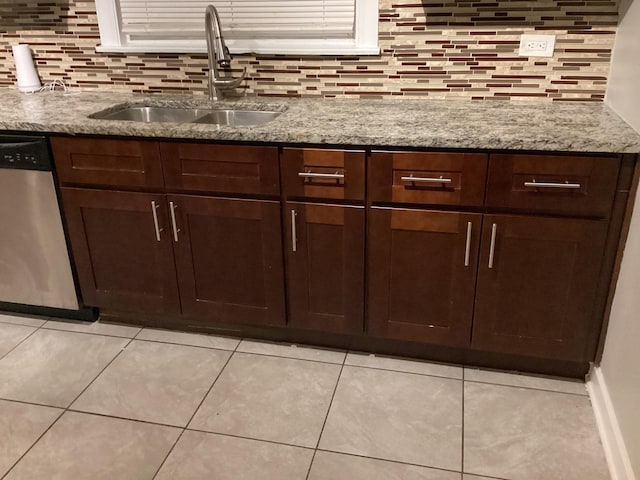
570	127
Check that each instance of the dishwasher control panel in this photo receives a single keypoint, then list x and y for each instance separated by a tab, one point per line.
24	152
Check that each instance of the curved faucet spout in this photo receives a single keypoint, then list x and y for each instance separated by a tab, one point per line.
218	55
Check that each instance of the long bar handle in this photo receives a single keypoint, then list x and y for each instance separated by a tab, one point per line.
154	210
492	248
411	178
174	225
467	248
294	236
535	184
337	176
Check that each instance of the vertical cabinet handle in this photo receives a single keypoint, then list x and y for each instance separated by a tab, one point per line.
294	236
467	248
492	248
174	225
154	211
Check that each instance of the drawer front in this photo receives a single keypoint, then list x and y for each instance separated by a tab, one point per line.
106	162
575	185
428	178
220	168
328	174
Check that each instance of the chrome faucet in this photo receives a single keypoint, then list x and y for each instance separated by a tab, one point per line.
218	55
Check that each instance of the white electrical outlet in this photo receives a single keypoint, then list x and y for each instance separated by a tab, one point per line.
537	45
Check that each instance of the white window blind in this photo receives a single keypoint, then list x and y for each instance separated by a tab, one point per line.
315	27
240	19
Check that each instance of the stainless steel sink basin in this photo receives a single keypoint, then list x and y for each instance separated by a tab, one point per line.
153	114
188	115
237	117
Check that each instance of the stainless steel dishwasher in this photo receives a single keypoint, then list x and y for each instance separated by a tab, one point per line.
35	271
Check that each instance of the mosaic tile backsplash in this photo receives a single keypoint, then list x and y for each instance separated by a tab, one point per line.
433	49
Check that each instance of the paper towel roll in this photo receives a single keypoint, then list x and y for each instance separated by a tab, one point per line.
28	80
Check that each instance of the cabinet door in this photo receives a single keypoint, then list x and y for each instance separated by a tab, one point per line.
321	173
229	259
325	266
422	273
536	297
236	169
123	255
428	178
108	162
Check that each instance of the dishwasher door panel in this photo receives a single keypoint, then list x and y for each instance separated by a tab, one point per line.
34	261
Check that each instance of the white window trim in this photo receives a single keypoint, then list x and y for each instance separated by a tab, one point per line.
364	43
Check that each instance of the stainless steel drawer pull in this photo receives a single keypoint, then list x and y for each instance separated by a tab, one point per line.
174	225
337	176
535	184
411	178
467	248
492	248
154	210
294	239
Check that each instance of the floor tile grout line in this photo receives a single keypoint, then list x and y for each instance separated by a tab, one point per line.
184	429
462	432
66	409
60	414
183	345
98	334
529	388
244	437
417	360
290	357
324	423
404	371
398	462
19	343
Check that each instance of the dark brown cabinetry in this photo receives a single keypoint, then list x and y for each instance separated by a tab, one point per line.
217	259
233	169
499	255
422	274
123	257
537	280
324	242
229	259
325	266
108	163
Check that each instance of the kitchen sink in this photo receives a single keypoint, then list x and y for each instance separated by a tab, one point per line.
150	114
237	117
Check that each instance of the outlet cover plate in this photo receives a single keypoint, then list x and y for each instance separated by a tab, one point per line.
537	45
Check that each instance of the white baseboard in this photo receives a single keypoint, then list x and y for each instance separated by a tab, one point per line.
612	440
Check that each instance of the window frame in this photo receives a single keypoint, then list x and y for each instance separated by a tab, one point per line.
365	41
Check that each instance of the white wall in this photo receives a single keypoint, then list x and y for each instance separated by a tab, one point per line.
620	367
623	91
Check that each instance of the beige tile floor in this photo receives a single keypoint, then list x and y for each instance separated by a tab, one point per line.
100	401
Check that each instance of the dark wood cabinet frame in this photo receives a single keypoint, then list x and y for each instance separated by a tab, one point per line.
132	169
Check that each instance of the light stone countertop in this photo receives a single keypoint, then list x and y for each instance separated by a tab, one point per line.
447	124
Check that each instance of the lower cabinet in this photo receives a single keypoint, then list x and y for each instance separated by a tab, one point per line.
422	274
122	249
229	259
325	266
216	258
533	278
537	280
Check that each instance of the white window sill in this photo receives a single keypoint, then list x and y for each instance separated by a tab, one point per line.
266	50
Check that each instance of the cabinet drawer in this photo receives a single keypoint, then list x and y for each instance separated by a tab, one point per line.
93	161
330	174
428	178
221	168
576	185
